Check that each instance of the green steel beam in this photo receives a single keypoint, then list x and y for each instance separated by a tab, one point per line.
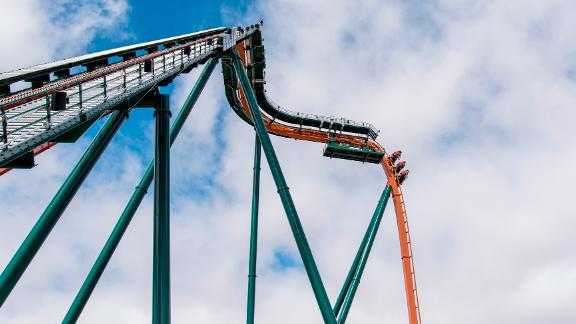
253	233
365	253
139	192
352	271
357	258
286	198
52	213
161	253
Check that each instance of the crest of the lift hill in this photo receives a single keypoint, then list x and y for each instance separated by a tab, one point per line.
57	102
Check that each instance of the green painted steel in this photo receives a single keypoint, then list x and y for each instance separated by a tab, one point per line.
139	192
358	257
352	271
74	134
368	240
286	198
253	233
337	150
52	213
161	253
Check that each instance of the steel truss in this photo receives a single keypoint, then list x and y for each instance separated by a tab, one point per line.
55	111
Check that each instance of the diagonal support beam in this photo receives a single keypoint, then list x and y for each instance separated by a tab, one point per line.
253	234
358	257
52	213
139	192
348	291
287	202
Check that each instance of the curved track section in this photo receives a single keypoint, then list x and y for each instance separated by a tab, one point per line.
284	123
60	106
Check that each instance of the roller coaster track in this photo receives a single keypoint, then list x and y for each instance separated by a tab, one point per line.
282	122
29	119
61	105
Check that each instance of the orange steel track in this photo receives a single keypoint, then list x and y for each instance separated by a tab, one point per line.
320	136
37	150
31	94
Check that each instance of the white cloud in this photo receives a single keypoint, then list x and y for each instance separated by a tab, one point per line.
35	31
478	94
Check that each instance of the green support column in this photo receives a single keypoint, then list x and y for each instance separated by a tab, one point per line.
358	257
161	254
253	234
346	286
120	228
365	253
52	213
283	191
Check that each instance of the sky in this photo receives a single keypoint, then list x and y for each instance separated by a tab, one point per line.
479	96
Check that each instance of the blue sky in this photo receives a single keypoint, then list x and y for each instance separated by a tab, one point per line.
147	20
478	94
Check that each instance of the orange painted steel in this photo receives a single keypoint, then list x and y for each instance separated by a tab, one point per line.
32	94
37	150
28	95
320	136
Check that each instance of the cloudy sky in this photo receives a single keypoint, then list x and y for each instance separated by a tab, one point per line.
479	95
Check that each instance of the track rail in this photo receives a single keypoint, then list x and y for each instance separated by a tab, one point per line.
28	119
34	120
279	123
42	70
